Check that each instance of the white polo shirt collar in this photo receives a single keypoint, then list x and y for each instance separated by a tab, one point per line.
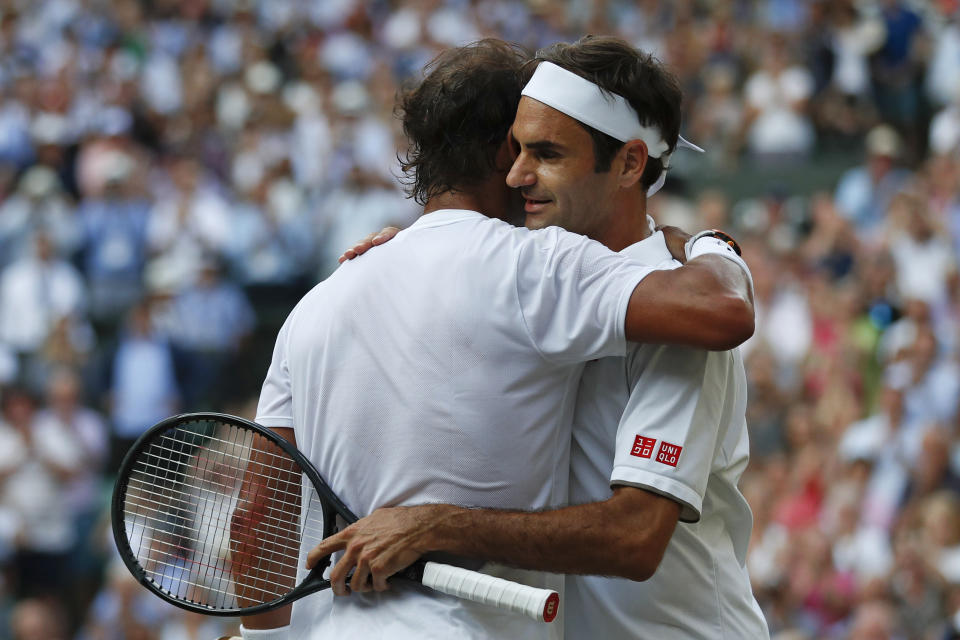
652	250
442	217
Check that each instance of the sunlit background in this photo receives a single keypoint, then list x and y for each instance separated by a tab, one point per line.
174	174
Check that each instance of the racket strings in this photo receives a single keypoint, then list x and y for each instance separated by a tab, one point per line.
213	515
189	508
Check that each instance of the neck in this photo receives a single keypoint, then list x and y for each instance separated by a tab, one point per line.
627	226
454	200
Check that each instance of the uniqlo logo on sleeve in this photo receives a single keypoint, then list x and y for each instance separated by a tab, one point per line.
643	447
669	453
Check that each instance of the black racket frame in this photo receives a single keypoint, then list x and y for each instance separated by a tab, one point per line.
332	506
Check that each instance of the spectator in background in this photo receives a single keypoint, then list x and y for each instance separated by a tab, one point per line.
143	385
35	293
39	202
898	67
776	96
114	225
716	125
854	34
188	221
924	259
272	239
209	323
932	394
65	419
37	467
864	193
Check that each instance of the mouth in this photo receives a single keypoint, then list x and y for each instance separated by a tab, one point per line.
534	205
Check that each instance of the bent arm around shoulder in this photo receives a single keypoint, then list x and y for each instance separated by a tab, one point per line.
707	303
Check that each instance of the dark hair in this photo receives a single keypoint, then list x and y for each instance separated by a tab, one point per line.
456	119
616	67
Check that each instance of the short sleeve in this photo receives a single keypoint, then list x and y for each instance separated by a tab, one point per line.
667	437
275	408
573	295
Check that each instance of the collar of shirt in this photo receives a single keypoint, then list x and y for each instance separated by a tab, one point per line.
651	251
445	216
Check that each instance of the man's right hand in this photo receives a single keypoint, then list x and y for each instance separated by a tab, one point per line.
379	545
372	240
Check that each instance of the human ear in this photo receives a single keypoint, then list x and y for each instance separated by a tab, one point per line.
633	157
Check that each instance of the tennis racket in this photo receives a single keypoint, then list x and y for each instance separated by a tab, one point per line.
215	514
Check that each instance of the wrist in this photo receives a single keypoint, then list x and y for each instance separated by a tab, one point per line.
443	525
277	633
712	241
717	243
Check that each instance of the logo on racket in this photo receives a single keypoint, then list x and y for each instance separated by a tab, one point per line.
551	608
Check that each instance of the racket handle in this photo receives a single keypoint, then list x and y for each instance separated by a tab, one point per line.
539	604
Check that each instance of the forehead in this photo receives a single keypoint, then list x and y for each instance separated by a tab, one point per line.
536	121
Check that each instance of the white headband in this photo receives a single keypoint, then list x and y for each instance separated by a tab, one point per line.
582	100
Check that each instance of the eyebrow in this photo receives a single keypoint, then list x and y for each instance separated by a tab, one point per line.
542	145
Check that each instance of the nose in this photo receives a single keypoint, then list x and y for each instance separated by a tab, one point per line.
521	174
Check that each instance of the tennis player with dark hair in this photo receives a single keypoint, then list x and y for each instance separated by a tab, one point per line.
659	436
443	366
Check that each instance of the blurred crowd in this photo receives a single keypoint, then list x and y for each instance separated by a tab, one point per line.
174	174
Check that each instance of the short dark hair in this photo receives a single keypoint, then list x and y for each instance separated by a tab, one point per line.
616	67
456	119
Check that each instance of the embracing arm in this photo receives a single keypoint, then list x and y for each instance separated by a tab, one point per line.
625	535
707	303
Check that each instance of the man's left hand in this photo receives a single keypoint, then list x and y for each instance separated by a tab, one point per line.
676	239
379	545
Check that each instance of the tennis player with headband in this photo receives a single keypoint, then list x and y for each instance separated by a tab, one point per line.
659	437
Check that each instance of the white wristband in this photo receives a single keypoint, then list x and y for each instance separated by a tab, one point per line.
701	245
279	633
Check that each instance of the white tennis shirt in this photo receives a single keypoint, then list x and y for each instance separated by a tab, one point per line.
669	420
443	367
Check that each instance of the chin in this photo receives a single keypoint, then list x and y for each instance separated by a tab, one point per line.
536	222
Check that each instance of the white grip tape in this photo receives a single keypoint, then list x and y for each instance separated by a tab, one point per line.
539	604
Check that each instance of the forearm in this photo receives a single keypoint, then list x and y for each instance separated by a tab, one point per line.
269	620
259	539
616	537
708	304
569	540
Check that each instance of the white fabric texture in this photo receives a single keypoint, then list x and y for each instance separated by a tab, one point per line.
443	367
689	407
